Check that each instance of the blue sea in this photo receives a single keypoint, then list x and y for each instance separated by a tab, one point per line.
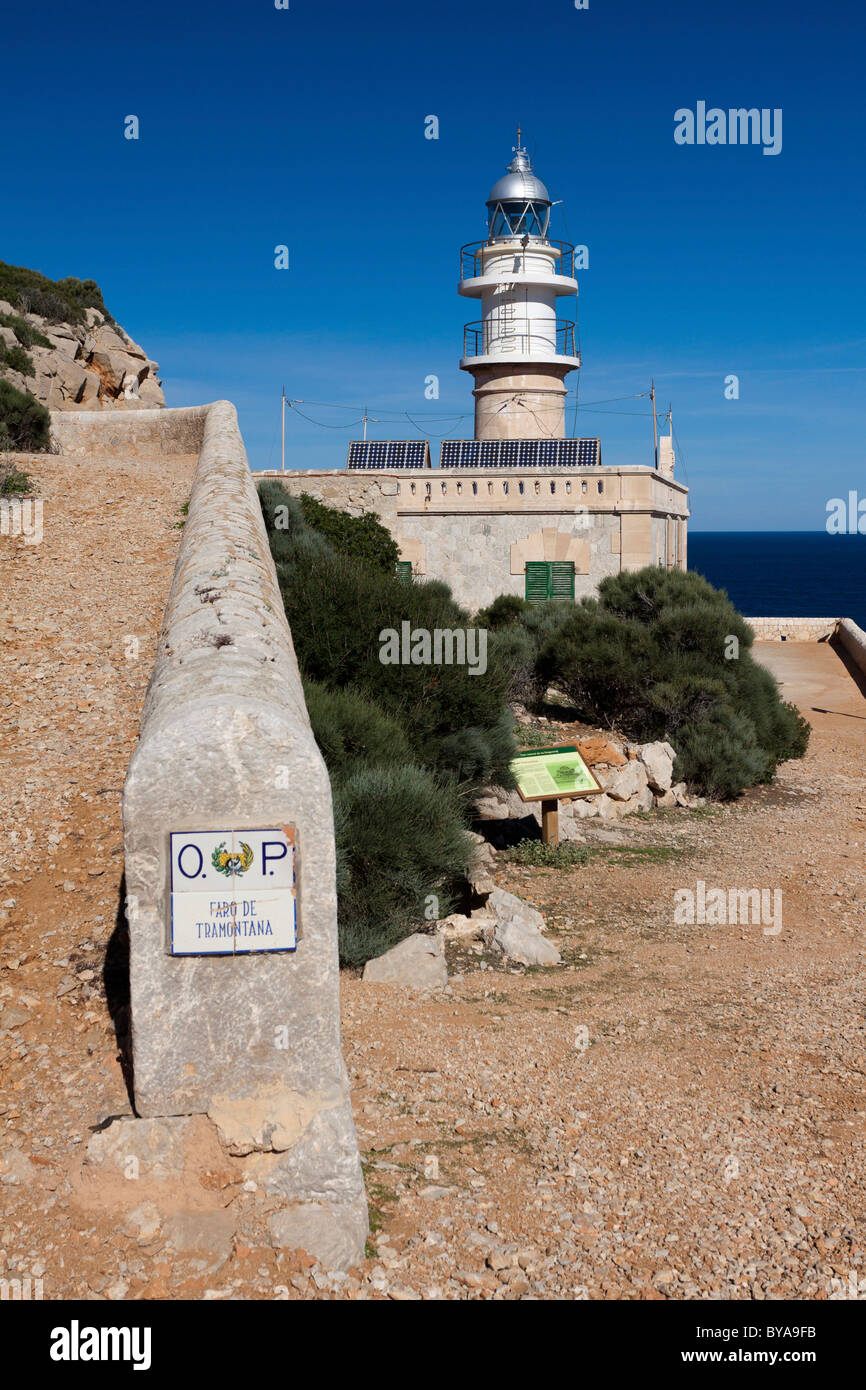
789	574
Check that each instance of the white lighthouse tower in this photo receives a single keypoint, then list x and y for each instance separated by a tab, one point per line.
519	352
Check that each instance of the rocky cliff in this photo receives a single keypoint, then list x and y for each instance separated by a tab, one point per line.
87	365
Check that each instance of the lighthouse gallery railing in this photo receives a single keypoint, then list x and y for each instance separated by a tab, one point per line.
526	338
472	256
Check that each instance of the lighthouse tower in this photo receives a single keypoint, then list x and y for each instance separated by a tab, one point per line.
519	352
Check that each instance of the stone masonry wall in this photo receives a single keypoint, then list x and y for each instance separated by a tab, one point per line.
853	639
135	433
472	552
793	629
226	743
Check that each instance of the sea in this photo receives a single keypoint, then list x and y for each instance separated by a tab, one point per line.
785	574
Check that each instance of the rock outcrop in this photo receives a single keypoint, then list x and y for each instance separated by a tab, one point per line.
86	366
634	777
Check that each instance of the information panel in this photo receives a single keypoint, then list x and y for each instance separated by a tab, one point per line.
233	892
542	773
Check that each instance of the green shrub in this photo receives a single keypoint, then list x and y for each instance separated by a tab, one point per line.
16	359
536	854
27	335
350	729
604	664
13	481
400	843
649	657
518	653
25	425
59	301
361	538
338	606
505	611
721	755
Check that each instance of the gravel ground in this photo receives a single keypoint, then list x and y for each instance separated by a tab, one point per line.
675	1112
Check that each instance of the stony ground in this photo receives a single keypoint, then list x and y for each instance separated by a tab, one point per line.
676	1112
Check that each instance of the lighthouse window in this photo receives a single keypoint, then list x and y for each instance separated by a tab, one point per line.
518	219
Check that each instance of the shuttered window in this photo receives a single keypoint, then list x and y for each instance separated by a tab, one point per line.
549	579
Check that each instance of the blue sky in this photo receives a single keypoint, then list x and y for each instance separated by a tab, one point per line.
305	127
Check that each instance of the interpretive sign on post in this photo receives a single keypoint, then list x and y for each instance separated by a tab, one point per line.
233	892
545	775
556	771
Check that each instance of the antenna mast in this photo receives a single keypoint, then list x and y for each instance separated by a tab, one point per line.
655	424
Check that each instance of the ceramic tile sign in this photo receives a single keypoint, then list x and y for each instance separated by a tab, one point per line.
233	892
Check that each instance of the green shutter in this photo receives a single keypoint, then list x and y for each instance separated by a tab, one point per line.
536	581
403	570
548	579
561	579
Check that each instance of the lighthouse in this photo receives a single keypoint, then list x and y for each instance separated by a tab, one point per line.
519	352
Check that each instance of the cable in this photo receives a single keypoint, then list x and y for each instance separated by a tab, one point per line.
323	426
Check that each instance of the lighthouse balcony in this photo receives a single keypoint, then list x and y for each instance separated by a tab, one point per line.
536	340
520	261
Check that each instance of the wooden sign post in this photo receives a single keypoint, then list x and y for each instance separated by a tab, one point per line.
545	775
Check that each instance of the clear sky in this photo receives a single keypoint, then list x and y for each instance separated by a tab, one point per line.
305	127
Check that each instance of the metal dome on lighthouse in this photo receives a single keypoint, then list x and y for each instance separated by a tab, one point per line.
519	352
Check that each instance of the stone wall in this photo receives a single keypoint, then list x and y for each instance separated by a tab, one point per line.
476	529
853	640
134	433
252	1041
793	629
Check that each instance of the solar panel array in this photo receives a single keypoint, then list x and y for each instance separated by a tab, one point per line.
389	453
520	453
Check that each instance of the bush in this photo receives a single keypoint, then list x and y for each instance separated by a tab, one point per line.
337	607
13	481
536	854
350	729
16	359
721	755
648	657
27	335
400	842
404	744
25	425
362	538
60	301
505	611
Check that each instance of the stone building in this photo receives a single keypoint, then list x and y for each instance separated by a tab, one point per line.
521	508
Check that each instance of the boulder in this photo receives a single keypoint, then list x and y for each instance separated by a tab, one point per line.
456	927
150	392
666	800
643	801
7	337
599	750
72	379
417	962
516	931
681	793
659	764
113	367
625	782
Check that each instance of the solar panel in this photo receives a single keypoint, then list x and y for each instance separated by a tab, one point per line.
388	453
520	453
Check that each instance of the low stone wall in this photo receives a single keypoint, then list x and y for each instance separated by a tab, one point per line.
793	629
134	433
251	1040
853	640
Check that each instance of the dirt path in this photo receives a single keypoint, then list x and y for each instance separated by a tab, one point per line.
678	1111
